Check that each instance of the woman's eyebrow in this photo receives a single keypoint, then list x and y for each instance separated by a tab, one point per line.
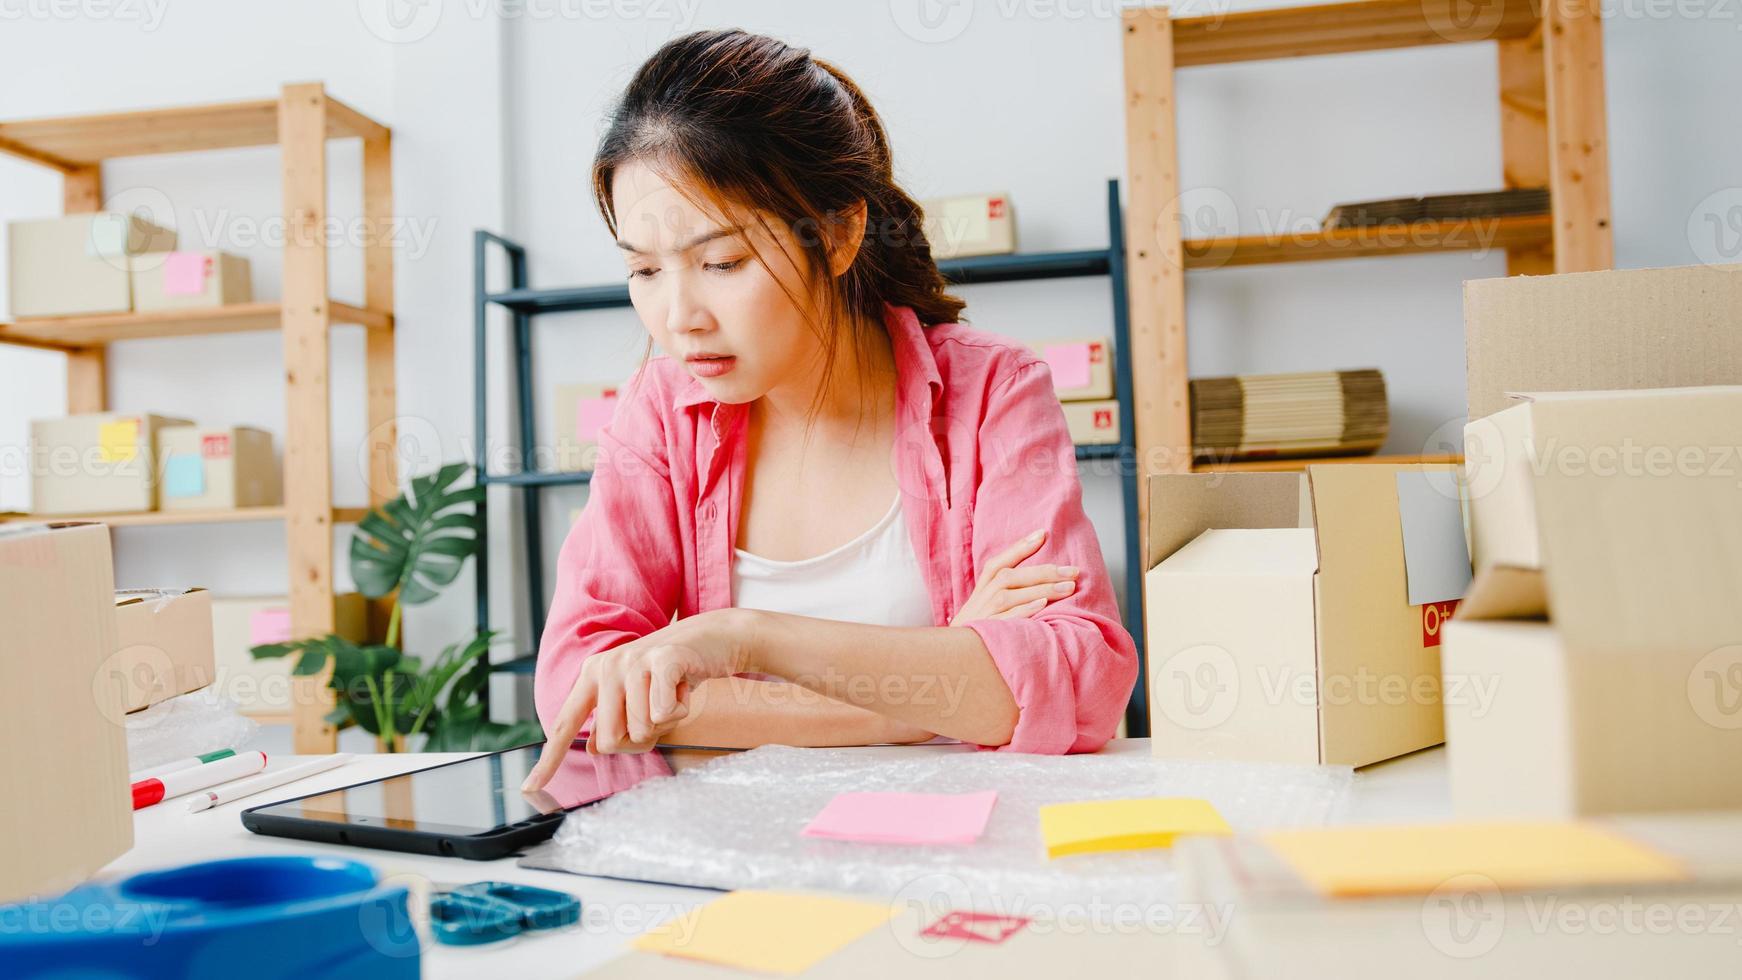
702	239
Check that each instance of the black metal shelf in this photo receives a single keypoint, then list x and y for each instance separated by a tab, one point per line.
524	302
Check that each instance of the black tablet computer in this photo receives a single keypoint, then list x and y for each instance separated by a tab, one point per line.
472	808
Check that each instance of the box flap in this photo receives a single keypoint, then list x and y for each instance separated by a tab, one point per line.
1639	506
1546	396
1506	592
1436	555
1185	505
1640	328
1245	551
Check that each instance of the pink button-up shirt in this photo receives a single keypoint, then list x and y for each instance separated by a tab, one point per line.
982	457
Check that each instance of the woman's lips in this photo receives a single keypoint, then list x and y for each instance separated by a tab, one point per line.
711	367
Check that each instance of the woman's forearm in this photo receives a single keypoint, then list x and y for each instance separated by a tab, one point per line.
738	712
938	678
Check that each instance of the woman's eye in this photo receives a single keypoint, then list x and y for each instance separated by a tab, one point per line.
723	266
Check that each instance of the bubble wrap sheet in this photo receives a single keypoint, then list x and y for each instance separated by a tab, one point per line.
191	724
734	823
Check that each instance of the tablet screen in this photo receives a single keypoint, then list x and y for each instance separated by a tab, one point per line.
476	796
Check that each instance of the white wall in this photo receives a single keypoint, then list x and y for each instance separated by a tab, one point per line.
496	115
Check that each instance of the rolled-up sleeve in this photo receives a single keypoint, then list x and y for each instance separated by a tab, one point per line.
1071	667
619	575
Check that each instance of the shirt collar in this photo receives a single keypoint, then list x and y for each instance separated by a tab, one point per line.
916	367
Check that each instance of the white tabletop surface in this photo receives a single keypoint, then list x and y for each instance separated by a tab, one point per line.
1406	790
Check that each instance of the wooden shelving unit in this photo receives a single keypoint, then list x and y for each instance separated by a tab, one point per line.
1553	133
300	121
166	518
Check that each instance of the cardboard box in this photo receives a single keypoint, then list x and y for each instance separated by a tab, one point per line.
1593	331
96	464
581	410
79	264
1295	617
1605	614
1258	918
190	280
969	224
1093	423
205	468
262	688
1088	360
165	645
67	747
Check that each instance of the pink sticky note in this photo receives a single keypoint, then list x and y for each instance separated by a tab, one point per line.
1070	364
904	818
269	626
184	273
591	415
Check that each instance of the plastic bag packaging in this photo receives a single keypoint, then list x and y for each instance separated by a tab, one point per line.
735	821
187	725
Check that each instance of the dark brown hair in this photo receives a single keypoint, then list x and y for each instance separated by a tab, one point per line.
752	121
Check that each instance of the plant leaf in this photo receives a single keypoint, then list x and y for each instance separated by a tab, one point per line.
418	542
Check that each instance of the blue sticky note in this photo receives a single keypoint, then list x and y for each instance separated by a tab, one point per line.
184	475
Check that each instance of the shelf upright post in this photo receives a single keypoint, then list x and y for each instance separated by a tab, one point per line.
379	343
87	367
308	477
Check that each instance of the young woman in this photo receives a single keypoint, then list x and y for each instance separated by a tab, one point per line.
863	515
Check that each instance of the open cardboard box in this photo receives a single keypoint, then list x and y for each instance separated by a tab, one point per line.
1286	615
1607	614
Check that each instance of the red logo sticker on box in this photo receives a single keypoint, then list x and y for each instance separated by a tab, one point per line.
1103	418
215	447
1097	353
995	208
1433	618
977	926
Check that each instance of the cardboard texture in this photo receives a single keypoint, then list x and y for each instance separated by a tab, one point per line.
79	264
1620	659
1283	630
1639	328
96	464
165	645
1093	423
970	224
57	602
262	688
208	468
581	410
191	280
1082	367
1469	924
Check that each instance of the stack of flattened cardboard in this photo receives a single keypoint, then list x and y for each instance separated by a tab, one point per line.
1315	413
1605	517
1440	207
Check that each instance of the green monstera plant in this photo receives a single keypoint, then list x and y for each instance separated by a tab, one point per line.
411	548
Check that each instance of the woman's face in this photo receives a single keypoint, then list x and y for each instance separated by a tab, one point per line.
702	295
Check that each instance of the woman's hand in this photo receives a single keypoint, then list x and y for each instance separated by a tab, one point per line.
639	691
1007	592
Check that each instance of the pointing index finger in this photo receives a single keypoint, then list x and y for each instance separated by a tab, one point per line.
568	724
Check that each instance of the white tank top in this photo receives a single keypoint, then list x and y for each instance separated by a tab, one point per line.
872	579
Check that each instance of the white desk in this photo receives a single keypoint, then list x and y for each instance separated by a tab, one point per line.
1406	790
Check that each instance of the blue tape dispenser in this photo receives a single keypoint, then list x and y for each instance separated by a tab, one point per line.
266	918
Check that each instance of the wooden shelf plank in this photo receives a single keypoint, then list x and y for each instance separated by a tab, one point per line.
1463	235
163	518
72	142
1301	463
75	332
1363	25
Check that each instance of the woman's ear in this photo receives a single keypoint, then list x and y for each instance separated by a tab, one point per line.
846	234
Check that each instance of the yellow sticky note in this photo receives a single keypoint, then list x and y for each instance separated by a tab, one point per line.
1125	825
1344	861
770	932
118	441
